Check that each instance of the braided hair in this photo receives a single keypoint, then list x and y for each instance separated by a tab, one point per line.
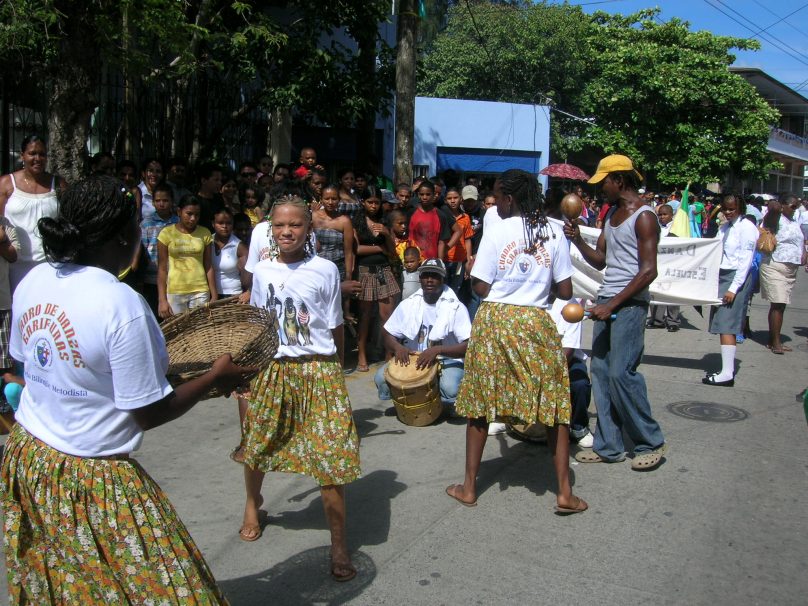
91	213
524	189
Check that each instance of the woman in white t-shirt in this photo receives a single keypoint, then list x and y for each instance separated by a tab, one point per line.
778	270
82	521
515	368
299	418
228	255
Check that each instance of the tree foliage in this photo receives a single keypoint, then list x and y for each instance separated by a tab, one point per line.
252	54
657	92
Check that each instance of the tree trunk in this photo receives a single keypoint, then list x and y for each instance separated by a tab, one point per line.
405	89
71	103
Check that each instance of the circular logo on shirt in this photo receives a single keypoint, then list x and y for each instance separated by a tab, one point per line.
43	352
524	263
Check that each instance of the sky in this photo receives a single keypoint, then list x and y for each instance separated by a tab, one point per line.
784	39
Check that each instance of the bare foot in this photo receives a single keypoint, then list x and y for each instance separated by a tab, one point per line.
459	494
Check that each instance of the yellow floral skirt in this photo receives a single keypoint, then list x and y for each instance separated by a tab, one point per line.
93	531
299	420
515	370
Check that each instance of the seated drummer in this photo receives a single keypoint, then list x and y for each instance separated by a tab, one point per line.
433	323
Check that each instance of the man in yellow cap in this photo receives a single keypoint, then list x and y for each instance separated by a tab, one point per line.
627	248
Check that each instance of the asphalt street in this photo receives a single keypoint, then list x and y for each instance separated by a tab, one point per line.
722	521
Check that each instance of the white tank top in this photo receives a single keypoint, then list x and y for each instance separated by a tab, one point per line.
24	210
225	267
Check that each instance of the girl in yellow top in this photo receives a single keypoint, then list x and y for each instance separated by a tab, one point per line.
184	271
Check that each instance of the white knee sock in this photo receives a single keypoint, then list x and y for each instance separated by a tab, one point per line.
727	363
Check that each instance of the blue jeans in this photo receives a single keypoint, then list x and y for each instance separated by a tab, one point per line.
621	397
450	376
580	394
474	304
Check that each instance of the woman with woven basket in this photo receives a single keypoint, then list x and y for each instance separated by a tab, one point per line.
739	237
83	521
778	268
299	418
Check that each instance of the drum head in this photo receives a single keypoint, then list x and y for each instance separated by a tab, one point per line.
397	373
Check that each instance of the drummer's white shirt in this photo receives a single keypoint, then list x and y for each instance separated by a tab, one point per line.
92	352
419	325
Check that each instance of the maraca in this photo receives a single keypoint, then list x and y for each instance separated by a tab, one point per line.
573	312
572	206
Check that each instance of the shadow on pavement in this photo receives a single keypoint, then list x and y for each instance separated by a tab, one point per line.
300	580
364	425
520	464
368	504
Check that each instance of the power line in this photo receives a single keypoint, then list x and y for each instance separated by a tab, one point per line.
778	21
791	25
547	100
767	38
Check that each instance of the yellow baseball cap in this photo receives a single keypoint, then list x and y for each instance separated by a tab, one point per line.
613	164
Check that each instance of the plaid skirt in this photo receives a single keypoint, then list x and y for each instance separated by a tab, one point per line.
378	282
93	531
299	420
515	369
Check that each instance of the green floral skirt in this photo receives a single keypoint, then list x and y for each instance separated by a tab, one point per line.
515	370
299	420
93	531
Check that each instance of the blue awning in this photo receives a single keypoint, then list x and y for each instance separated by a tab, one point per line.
468	160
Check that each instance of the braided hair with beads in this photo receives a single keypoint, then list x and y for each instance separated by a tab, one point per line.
524	191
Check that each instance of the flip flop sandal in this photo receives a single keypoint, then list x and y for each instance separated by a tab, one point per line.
649	460
350	572
250	532
581	506
452	492
590	456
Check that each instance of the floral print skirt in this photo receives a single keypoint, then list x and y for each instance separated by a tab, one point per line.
93	531
299	420
515	370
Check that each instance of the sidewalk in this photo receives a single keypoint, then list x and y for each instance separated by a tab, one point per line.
722	521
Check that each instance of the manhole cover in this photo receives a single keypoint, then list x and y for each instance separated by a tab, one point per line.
708	411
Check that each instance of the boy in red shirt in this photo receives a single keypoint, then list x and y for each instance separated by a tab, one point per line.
429	229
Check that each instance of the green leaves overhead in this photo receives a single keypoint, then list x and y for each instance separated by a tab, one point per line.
657	91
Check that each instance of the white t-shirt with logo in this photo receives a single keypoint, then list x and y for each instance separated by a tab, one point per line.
92	352
516	277
306	298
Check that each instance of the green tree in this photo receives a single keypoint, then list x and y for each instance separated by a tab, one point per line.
517	52
251	53
655	91
663	95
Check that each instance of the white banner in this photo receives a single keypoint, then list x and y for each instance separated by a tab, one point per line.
687	271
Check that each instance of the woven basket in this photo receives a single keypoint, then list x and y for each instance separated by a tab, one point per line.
197	337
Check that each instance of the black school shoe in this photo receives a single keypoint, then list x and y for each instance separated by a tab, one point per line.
711	381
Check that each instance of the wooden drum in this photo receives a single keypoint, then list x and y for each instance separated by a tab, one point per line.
416	393
533	432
